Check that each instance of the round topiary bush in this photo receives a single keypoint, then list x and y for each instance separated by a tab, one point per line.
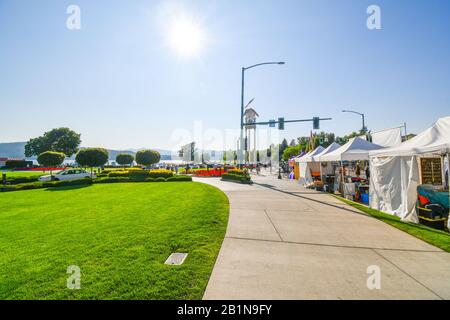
124	159
92	157
147	157
51	158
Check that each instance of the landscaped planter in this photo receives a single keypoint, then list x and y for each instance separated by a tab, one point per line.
237	178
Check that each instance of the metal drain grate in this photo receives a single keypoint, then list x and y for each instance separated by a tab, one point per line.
176	259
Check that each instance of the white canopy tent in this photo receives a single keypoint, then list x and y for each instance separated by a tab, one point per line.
325	168
395	170
309	156
388	137
306	166
354	150
329	149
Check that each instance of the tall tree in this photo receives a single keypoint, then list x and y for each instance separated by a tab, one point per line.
283	146
61	140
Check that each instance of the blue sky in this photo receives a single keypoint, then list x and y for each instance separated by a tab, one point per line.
118	83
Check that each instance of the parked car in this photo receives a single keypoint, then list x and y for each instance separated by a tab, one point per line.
72	174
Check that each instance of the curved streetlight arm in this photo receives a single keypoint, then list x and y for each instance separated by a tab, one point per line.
261	64
363	118
361	114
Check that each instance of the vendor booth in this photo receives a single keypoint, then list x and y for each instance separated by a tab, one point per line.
294	165
308	170
326	169
411	180
345	161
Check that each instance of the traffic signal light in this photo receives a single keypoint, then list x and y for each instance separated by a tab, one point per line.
280	123
316	123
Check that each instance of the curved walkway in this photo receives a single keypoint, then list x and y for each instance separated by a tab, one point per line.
286	242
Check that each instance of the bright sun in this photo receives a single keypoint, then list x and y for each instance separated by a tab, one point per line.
186	37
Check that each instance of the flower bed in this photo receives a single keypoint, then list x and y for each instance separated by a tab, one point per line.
139	174
209	172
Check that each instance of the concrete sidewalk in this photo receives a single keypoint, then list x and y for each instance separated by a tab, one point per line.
286	242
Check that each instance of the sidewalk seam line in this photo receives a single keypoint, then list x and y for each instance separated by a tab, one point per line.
406	273
330	245
273	225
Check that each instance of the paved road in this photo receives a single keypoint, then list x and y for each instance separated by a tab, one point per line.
286	242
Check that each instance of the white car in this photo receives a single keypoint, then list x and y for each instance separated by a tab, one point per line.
72	174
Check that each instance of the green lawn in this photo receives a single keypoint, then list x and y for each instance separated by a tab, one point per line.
24	173
438	238
118	234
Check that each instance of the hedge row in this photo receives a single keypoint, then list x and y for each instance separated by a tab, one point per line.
17	180
236	177
237	172
87	181
141	174
107	171
127	179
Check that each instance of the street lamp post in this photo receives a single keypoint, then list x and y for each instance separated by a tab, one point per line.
241	138
364	130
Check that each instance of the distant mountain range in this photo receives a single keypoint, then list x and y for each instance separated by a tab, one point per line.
17	150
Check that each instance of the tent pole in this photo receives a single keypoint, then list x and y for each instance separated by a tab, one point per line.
448	172
448	184
321	175
342	178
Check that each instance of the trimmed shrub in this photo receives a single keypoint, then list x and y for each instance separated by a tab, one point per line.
179	179
107	171
237	178
150	180
12	164
67	183
121	174
160	179
112	180
49	184
138	175
17	180
51	158
147	157
92	157
160	173
22	186
237	172
124	159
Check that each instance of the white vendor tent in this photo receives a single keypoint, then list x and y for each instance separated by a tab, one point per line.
309	156
329	149
395	170
326	168
306	166
388	137
354	150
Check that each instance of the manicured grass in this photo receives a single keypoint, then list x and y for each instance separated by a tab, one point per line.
438	238
25	173
118	234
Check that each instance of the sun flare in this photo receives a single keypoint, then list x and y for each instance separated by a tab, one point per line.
186	37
